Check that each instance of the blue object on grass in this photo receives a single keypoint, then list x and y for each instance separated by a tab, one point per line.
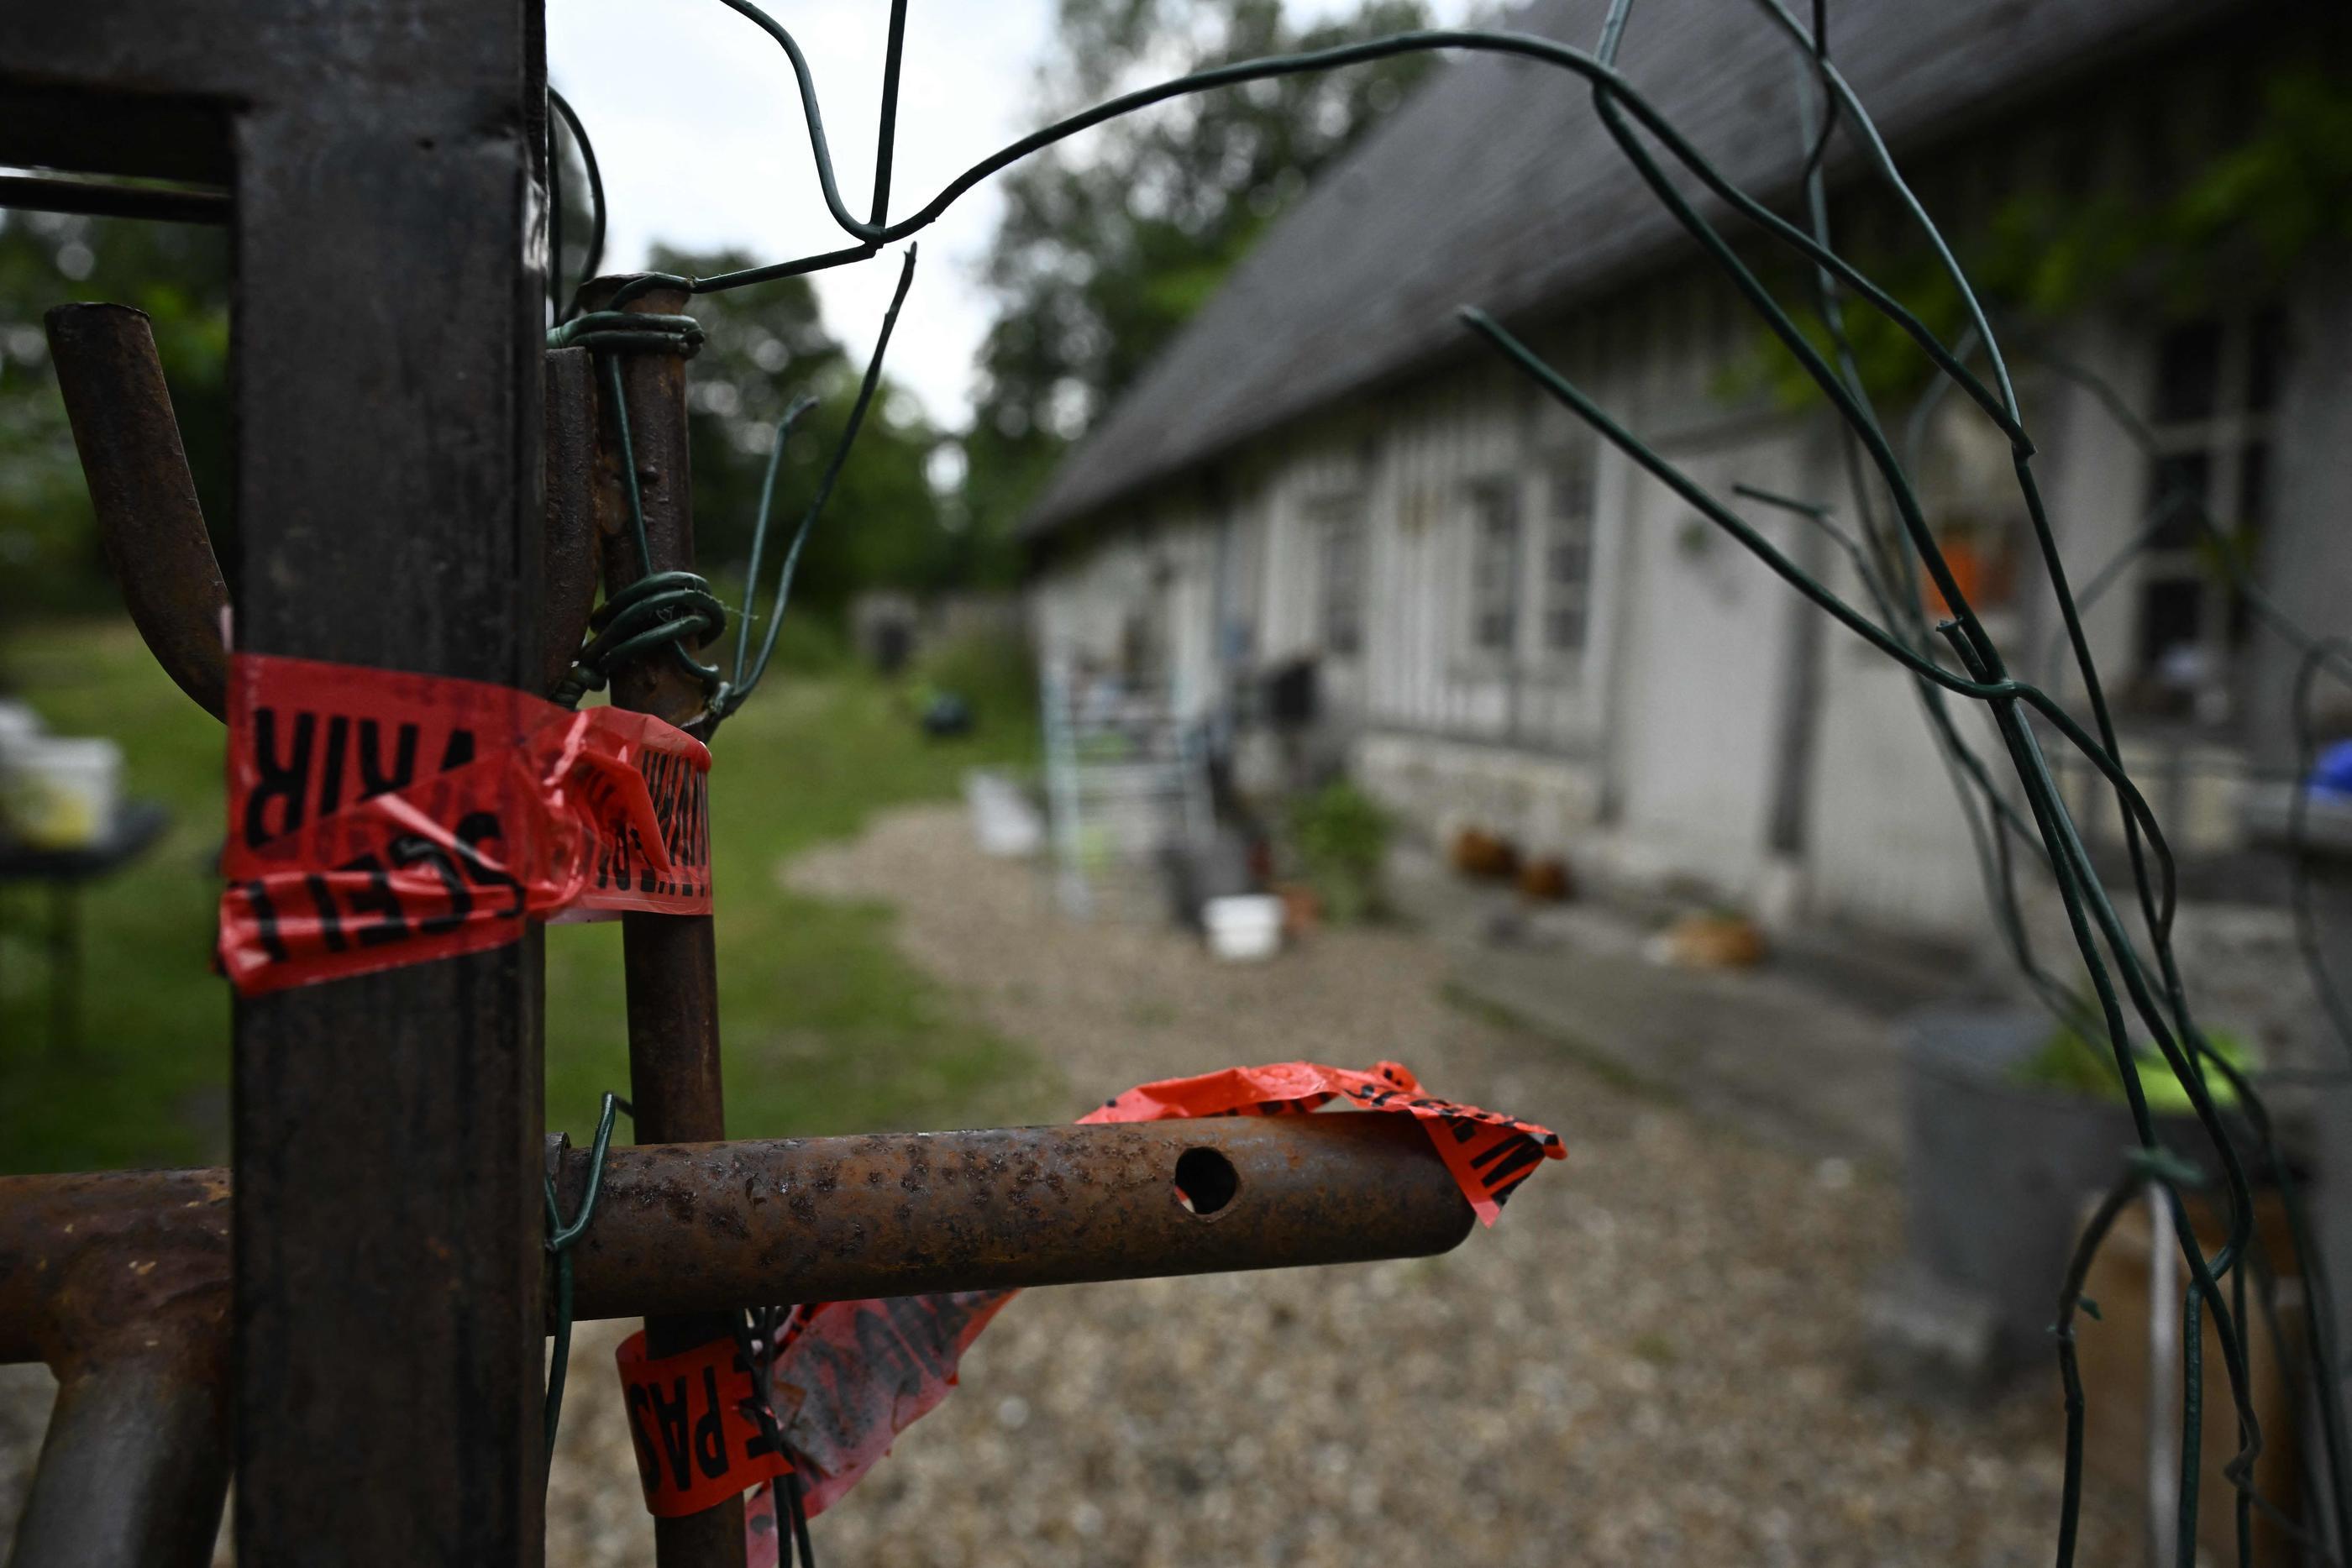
946	714
2333	774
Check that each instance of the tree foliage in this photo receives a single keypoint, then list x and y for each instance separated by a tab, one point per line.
1109	243
765	346
1107	247
2235	223
178	274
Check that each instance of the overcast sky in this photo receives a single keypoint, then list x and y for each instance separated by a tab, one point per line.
699	134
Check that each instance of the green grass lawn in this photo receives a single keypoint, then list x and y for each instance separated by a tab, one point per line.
827	1029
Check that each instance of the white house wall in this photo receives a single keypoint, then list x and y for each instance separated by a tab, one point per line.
1885	842
1660	752
1707	636
1161	578
1445	736
1650	759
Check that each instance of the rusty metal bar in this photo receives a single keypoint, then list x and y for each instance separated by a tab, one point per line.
121	1283
685	1228
102	199
701	1227
670	962
134	1468
388	330
148	518
153	530
568	550
388	327
655	385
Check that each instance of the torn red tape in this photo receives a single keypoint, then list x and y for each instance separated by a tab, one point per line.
378	818
1488	1154
855	1375
690	1418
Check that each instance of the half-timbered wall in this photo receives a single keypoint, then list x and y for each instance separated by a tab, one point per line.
1515	626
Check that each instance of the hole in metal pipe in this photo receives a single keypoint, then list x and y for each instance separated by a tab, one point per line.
1206	1181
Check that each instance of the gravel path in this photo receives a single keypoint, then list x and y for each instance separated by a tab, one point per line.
1649	1361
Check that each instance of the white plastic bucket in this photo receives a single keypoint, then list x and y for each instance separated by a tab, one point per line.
1003	820
60	791
18	726
1244	927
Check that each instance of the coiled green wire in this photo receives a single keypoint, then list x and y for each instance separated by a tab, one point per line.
562	1235
676	611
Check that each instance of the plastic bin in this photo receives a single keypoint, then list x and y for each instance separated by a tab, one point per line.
60	792
18	726
1244	927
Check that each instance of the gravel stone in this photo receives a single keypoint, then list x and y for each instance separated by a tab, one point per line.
1653	1359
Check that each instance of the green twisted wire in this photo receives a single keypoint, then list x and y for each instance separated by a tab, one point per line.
562	1235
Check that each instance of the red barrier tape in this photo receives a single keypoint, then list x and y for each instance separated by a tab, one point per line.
855	1375
378	818
690	1418
1488	1154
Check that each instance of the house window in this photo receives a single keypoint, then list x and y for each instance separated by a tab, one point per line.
1967	482
1566	608
1494	568
2207	495
1340	540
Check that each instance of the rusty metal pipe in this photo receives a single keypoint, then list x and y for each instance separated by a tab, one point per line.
106	199
670	962
88	1262
685	1228
134	1467
653	383
704	1228
152	528
121	1283
568	551
148	521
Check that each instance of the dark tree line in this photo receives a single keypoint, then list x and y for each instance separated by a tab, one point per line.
1107	247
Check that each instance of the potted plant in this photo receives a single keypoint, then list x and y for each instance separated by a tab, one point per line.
2012	1125
1341	836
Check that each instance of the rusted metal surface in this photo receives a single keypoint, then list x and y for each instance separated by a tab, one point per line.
135	1465
88	1261
121	1283
32	192
154	533
681	1228
569	548
148	518
388	329
388	332
654	387
697	1228
670	962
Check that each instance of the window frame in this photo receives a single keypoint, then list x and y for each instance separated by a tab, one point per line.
1497	594
1566	475
2237	431
1520	586
1336	526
